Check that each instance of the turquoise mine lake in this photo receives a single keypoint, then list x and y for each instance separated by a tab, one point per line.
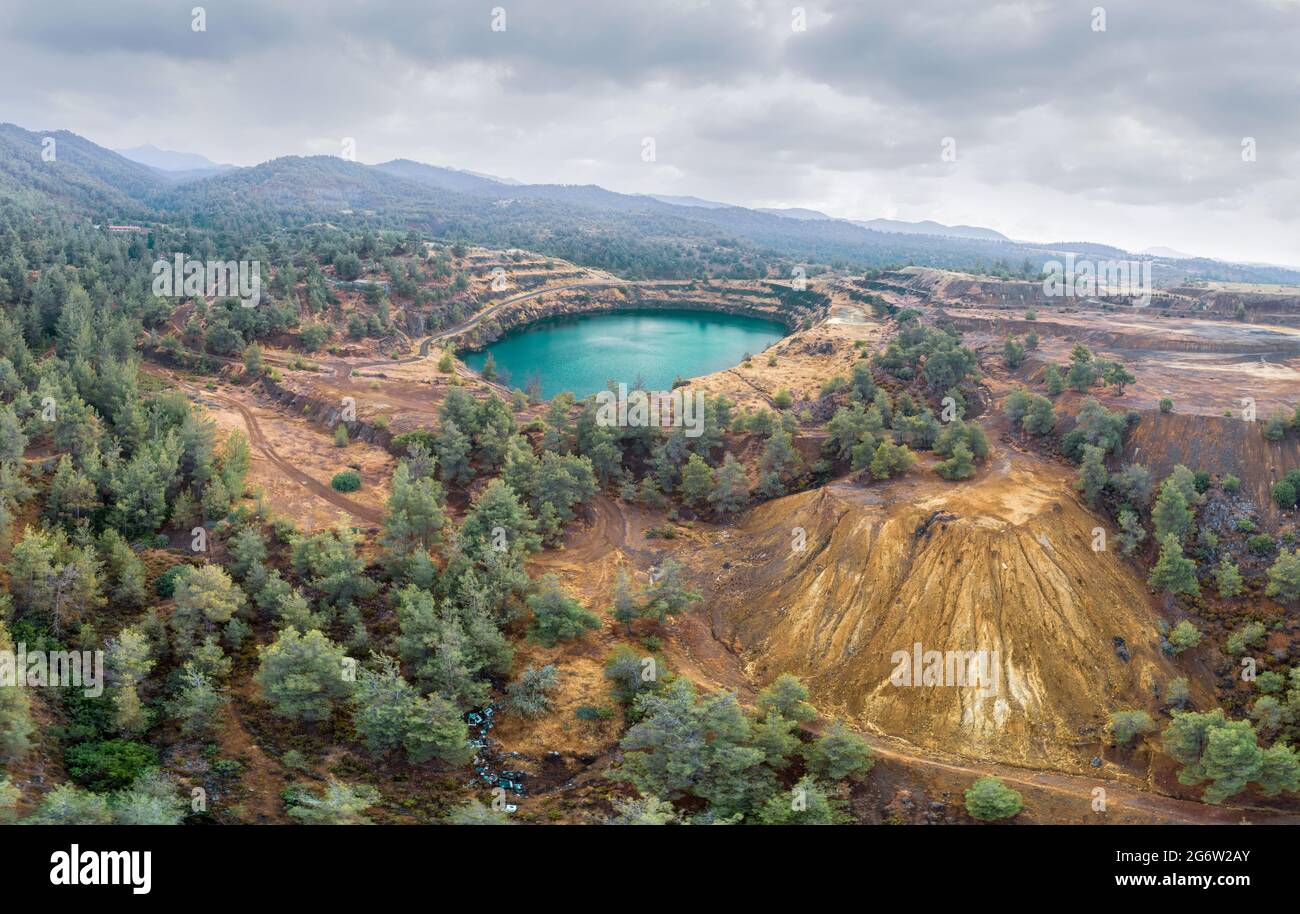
582	353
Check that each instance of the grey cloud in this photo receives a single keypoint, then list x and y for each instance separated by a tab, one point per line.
743	107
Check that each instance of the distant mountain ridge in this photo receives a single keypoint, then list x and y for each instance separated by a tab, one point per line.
636	235
167	160
928	227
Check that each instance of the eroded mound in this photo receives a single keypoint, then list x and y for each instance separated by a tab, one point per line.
1002	567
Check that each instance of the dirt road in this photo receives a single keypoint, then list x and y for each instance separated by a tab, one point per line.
258	440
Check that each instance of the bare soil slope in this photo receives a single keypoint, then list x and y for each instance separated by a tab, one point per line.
1004	563
1216	444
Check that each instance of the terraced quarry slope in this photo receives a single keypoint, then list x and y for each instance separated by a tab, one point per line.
1004	564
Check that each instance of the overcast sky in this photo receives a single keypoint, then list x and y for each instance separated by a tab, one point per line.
1132	135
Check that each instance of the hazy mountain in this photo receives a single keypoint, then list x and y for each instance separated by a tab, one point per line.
894	226
928	227
446	178
1168	253
167	160
686	201
793	212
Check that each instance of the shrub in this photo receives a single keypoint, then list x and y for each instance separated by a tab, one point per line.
166	583
1261	544
1249	635
529	695
988	800
1184	635
1126	726
109	764
347	481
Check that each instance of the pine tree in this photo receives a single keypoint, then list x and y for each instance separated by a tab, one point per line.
788	697
1171	515
840	754
206	598
891	460
557	616
497	519
454	454
340	804
1184	636
15	712
197	702
1092	473
416	516
959	466
627	602
730	487
1172	572
805	804
1284	578
12	440
301	676
1131	532
1126	726
697	480
1228	578
670	596
1055	383
780	459
129	662
988	800
72	493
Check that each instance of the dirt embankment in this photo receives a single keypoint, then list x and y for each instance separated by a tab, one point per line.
1218	445
326	413
1002	564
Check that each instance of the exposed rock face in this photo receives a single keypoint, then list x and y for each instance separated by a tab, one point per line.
531	311
1003	566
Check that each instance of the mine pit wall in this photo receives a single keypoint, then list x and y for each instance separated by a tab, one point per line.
492	329
1217	445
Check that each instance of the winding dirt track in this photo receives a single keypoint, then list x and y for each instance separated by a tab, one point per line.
258	440
1121	798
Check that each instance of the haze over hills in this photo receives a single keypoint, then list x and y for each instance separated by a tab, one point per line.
167	160
898	226
641	236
